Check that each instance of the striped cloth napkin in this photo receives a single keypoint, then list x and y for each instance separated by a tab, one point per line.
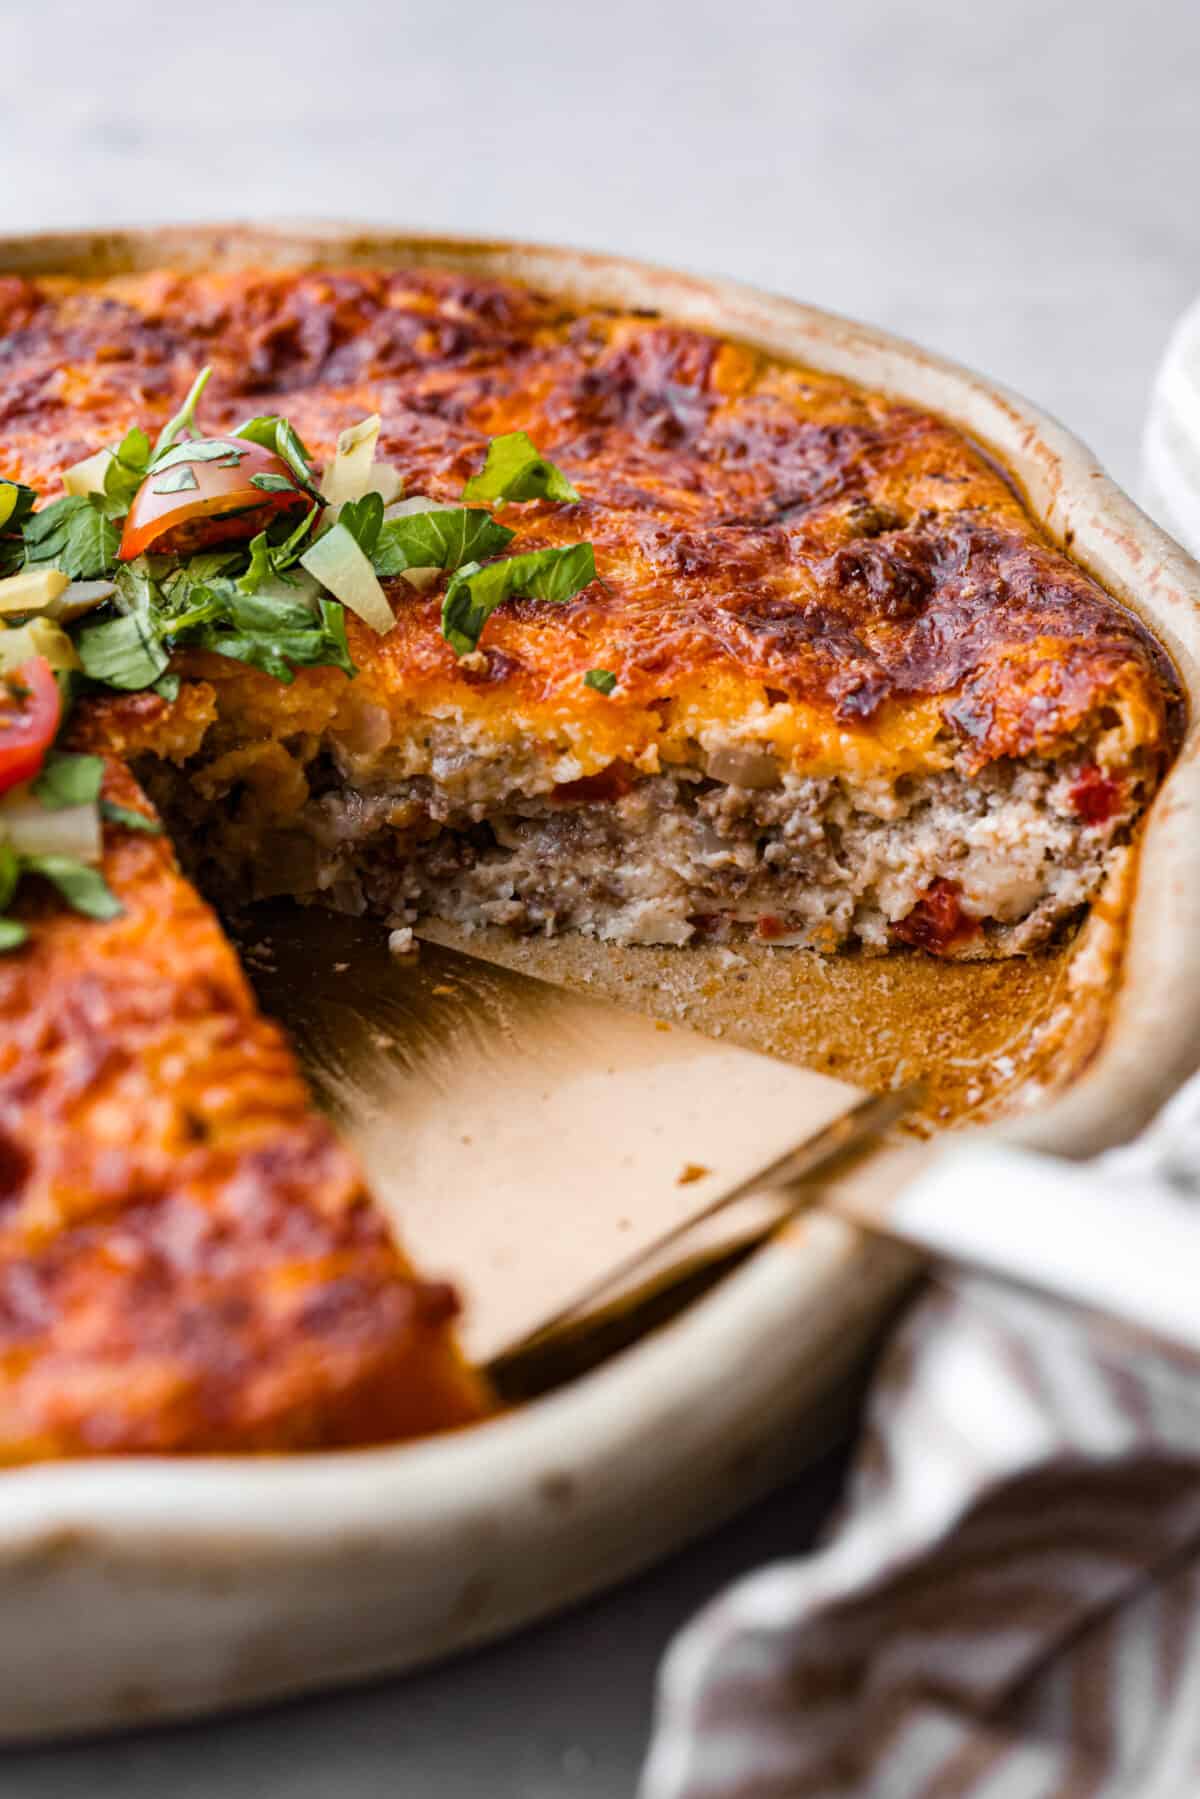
1008	1606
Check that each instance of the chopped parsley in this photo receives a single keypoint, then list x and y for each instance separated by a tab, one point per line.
602	679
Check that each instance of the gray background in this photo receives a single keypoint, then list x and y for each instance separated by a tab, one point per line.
1015	185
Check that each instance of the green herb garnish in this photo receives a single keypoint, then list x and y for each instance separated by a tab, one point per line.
68	780
602	679
84	888
180	479
128	466
74	534
364	520
184	422
16	503
446	538
201	449
515	469
128	819
474	593
125	652
274	433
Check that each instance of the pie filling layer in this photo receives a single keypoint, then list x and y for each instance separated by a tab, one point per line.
963	865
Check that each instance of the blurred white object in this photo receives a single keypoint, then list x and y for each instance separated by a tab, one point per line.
1171	446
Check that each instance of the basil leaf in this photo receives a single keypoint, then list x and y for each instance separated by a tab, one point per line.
249	613
442	539
129	820
185	419
181	479
270	483
182	590
122	652
602	679
321	641
127	468
364	520
474	593
84	889
284	554
12	934
68	780
261	430
10	873
274	433
200	449
74	535
167	688
260	564
516	470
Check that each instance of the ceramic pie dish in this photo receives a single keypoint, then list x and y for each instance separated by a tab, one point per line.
149	1589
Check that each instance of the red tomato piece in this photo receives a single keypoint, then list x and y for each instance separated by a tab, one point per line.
207	498
612	783
1095	795
30	708
937	921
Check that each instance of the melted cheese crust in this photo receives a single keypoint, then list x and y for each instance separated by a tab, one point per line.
817	568
188	1257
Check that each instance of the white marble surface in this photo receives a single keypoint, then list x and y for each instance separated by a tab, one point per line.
1015	185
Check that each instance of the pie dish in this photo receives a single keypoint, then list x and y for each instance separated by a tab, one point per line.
828	681
306	1532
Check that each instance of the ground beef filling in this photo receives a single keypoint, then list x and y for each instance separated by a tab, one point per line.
990	865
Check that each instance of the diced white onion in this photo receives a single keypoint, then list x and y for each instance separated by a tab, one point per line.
79	597
346	478
34	830
742	765
354	472
420	578
386	481
40	637
88	476
32	590
340	565
419	502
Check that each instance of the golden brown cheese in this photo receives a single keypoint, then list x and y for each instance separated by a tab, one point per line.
188	1258
817	565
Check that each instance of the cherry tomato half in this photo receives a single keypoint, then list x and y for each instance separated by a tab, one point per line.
225	490
30	709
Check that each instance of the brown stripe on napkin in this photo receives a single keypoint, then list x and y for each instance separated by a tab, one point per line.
1008	1606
